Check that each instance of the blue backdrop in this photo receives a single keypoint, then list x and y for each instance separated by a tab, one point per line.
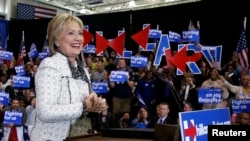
4	30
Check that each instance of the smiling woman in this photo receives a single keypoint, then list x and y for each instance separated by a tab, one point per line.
63	89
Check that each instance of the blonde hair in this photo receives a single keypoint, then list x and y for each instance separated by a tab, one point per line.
55	27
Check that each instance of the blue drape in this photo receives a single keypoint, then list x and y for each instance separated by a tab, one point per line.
4	30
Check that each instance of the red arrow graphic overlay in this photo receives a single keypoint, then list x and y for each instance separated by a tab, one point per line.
87	37
101	43
141	37
190	132
180	58
118	43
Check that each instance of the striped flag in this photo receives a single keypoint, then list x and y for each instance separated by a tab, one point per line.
22	52
28	12
242	49
46	46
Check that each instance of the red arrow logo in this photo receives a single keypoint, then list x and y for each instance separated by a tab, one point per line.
141	37
168	56
87	37
180	58
118	43
101	43
191	132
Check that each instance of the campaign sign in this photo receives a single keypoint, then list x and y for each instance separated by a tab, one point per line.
21	81
127	54
14	117
191	36
150	46
240	105
100	87
89	49
163	45
6	55
43	55
138	61
20	70
209	95
174	37
118	76
194	124
4	98
212	54
154	33
33	51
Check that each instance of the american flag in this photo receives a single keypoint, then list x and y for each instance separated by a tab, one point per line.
22	52
28	12
45	45
242	49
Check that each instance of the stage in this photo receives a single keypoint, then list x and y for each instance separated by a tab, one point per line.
161	132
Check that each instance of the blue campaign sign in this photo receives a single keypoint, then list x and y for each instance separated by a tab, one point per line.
127	54
162	46
6	55
100	87
21	81
118	76
174	37
33	51
240	105
20	70
194	124
13	117
138	61
4	98
154	33
191	36
43	55
194	67
89	49
151	46
212	53
209	95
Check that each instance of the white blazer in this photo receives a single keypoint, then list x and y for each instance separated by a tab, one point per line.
58	99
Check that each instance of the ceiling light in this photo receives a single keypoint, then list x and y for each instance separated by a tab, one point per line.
86	11
131	4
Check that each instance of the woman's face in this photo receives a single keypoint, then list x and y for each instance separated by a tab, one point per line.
70	40
187	107
3	79
143	113
214	74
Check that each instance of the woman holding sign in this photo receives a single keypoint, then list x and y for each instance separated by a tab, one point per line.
63	87
213	82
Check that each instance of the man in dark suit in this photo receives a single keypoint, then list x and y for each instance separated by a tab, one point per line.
162	117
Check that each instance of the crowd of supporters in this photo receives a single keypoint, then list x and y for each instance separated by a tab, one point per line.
150	95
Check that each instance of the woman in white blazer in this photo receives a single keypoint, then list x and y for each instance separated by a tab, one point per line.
63	89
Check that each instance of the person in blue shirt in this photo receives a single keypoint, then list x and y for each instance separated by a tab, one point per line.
142	119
